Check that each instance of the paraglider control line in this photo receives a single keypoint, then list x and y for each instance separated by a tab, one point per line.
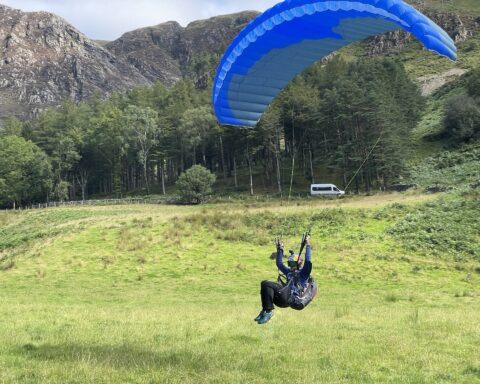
364	162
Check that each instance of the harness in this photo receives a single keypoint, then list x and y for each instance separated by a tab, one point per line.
301	295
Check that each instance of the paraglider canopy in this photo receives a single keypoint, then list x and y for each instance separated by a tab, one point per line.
294	34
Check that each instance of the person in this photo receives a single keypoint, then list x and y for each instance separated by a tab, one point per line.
297	279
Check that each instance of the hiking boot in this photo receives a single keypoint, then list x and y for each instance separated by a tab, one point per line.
259	315
266	317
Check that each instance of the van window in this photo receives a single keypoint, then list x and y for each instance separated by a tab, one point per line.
321	189
336	189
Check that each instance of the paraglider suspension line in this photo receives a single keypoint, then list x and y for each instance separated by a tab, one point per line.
364	162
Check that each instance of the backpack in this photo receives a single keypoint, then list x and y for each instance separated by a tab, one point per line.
301	296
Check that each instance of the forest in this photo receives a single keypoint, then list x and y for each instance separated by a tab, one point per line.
333	117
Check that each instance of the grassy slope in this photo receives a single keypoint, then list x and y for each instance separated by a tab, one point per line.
167	294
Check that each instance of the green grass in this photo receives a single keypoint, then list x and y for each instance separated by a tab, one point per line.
160	294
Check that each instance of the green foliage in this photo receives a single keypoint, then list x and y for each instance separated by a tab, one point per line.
25	171
456	169
60	191
142	122
197	126
462	118
373	102
473	83
430	128
11	127
201	69
195	185
445	228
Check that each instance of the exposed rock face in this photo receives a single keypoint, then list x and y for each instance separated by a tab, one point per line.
432	83
459	29
164	51
44	59
151	51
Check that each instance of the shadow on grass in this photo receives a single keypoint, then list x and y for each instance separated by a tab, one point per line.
121	356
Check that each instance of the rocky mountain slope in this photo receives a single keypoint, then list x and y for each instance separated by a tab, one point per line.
44	60
460	28
164	51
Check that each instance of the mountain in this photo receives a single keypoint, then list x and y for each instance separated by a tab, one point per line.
163	52
44	60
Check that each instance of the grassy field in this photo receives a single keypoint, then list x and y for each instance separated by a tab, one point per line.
164	294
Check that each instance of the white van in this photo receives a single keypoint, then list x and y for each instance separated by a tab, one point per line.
325	190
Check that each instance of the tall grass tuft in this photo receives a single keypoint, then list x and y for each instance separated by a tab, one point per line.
392	298
413	317
41	272
341	312
7	265
106	261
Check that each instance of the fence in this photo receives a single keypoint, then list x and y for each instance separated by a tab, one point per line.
104	202
155	201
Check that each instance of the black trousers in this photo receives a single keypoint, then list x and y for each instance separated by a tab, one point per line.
273	293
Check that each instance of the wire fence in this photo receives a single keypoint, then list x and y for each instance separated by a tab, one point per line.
157	201
103	202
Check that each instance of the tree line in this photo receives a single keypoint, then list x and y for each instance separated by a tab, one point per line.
142	140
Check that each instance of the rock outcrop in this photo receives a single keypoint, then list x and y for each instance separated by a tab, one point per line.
431	83
163	52
459	29
44	60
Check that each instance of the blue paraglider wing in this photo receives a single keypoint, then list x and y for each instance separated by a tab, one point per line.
294	34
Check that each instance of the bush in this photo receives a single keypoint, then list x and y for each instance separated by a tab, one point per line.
195	185
462	118
473	83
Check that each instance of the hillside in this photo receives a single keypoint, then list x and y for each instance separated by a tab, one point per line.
45	60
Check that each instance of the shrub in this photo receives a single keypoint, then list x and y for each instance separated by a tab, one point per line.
195	185
473	83
462	118
450	169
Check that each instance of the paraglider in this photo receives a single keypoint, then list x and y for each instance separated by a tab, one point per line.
295	287
294	34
